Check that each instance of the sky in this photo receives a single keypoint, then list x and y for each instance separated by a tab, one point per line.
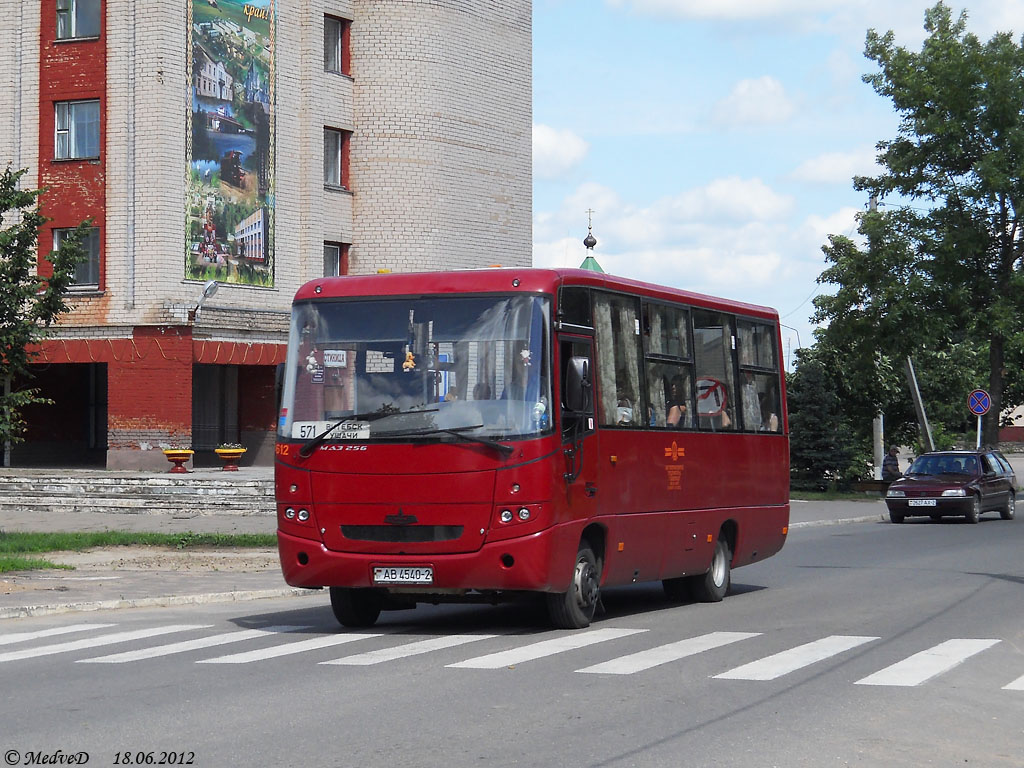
715	141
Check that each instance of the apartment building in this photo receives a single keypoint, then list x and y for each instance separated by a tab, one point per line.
246	148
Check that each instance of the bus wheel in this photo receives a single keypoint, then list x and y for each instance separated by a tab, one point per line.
712	586
575	609
356	607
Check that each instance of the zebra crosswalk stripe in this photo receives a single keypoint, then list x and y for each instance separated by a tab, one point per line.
20	637
925	665
545	648
663	654
407	650
779	664
287	649
188	645
1016	685
95	642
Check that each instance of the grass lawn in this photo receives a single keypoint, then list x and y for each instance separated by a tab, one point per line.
16	548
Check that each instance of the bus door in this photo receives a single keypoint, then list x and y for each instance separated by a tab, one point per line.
579	435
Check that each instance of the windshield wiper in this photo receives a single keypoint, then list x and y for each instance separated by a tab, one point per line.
459	432
314	442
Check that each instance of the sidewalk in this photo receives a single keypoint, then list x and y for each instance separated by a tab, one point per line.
144	577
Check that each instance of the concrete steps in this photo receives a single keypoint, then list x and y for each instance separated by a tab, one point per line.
197	493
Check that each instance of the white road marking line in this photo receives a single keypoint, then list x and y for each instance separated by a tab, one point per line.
188	645
779	664
287	649
94	642
409	649
19	637
925	665
1016	685
545	648
663	654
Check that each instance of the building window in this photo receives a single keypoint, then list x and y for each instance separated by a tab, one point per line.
335	259
336	45
77	132
87	273
336	157
78	18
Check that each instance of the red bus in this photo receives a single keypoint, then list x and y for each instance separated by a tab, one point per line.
480	434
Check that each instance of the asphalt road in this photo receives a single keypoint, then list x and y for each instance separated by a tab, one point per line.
863	644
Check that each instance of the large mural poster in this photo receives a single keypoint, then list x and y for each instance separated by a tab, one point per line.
230	200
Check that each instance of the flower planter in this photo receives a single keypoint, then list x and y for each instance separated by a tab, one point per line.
178	457
230	457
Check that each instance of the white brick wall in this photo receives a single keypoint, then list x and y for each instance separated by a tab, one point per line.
19	95
441	170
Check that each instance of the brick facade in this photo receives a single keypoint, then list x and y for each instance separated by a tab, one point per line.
438	106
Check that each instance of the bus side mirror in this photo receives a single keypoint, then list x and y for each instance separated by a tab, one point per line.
577	385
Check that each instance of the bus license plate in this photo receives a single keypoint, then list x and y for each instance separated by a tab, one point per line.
403	574
921	503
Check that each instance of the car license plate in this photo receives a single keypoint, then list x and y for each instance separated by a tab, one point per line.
403	574
921	503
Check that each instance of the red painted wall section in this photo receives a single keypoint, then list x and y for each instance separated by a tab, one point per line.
68	71
150	392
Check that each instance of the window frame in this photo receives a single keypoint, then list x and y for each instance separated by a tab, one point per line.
93	263
72	19
66	141
336	171
340	259
337	52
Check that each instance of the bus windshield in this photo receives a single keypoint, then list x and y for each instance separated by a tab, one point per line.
418	368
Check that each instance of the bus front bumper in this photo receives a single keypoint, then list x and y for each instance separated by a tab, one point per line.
540	562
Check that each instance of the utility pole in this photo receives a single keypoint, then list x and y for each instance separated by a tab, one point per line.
878	425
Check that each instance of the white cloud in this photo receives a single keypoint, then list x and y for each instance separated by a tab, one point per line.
837	167
753	102
556	152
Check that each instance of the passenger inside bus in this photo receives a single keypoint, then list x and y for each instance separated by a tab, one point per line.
678	415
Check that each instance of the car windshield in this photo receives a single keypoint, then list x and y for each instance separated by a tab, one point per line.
944	464
414	368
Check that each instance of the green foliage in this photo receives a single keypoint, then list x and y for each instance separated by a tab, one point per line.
822	450
941	275
22	543
29	303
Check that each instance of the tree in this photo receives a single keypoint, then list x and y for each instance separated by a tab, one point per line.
821	449
29	302
943	267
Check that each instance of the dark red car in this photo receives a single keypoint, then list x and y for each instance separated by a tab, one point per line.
954	483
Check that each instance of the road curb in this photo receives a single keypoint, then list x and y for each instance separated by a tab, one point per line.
879	518
26	611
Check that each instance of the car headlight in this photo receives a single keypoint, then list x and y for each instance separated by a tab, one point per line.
894	493
954	492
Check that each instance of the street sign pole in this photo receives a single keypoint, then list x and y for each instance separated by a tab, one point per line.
978	403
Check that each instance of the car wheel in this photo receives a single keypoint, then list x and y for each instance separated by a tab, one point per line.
895	517
356	607
974	511
1007	511
712	586
575	609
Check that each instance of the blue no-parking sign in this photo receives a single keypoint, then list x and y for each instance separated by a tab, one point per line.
979	402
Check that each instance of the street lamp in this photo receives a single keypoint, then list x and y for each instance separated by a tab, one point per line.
208	290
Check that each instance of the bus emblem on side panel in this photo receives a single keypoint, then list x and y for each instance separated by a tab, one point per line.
674	452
